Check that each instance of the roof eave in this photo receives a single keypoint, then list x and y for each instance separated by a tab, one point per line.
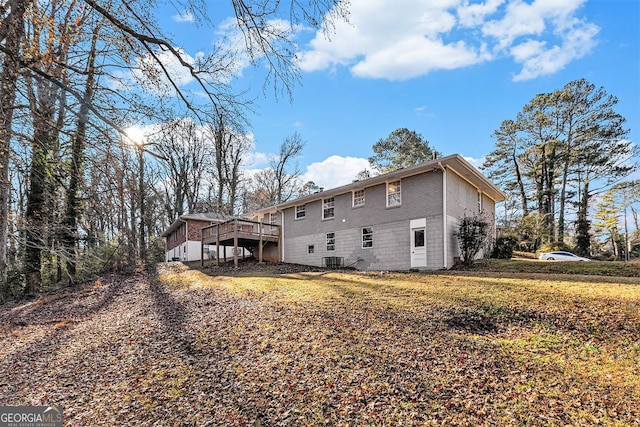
453	160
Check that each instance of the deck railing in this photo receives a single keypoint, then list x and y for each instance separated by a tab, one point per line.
239	231
245	229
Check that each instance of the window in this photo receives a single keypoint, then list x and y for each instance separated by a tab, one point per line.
358	198
328	208
367	237
479	201
393	194
331	241
301	212
310	249
418	238
273	218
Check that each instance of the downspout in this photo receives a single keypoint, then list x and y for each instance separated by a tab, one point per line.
186	240
445	251
281	242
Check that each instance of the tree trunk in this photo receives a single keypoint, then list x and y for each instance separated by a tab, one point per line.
14	23
583	240
69	236
141	235
36	213
523	194
563	188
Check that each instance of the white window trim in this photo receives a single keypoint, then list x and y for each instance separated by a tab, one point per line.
333	206
332	240
353	198
362	237
303	211
399	192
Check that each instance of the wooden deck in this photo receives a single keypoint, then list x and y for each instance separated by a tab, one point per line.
240	233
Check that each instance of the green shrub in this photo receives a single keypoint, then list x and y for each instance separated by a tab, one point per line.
504	246
472	235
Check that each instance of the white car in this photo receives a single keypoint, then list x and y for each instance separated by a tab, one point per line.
561	256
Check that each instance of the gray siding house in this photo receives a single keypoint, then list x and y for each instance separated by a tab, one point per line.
401	220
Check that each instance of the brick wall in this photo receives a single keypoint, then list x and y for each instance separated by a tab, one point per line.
176	238
195	227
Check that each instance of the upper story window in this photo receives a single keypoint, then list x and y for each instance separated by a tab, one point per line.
301	211
358	198
393	194
273	218
328	210
479	201
331	241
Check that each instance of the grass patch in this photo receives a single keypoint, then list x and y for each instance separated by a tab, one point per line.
451	347
535	266
277	345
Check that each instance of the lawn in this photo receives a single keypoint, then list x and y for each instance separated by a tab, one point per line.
189	346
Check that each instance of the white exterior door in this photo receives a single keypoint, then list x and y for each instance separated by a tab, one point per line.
418	243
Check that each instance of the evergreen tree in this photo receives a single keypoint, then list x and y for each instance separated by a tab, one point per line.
401	149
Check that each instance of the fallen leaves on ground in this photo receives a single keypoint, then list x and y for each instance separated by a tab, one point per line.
203	347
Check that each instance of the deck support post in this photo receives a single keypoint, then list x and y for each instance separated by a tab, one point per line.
217	245
235	243
260	243
238	232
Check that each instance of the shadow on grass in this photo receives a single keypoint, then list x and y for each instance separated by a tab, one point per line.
59	312
509	302
173	316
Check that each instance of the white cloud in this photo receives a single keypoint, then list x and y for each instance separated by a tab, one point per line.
537	60
474	14
527	19
413	57
256	159
334	171
185	16
477	163
410	39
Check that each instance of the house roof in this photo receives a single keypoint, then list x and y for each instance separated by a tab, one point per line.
454	162
204	216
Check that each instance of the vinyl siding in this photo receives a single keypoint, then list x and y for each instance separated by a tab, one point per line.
462	200
421	198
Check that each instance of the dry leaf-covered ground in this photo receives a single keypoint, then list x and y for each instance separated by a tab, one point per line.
184	346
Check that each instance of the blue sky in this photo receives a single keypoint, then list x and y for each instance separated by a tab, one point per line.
452	70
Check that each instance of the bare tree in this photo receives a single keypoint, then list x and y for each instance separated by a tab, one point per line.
51	63
187	157
231	145
279	182
12	34
285	167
